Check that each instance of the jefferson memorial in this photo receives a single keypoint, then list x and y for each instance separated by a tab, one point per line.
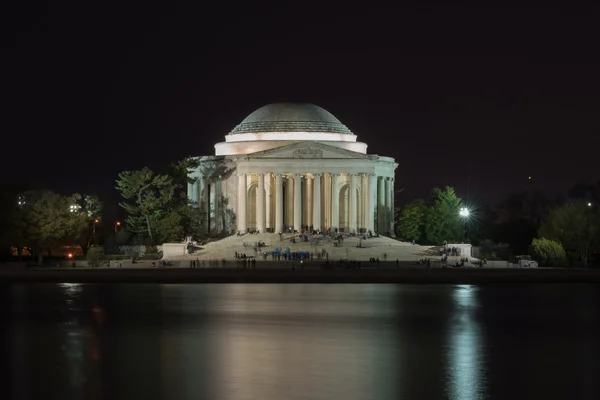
289	166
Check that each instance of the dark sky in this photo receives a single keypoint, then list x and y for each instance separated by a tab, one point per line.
478	98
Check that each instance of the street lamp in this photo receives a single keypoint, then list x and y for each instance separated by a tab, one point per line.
94	230
73	207
464	213
589	204
117	224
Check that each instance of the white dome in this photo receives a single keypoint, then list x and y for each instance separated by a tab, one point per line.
291	117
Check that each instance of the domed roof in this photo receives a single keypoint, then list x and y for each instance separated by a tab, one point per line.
291	117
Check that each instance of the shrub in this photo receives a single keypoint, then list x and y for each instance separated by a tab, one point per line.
96	257
549	252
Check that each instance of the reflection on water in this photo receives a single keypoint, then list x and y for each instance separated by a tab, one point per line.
299	341
466	354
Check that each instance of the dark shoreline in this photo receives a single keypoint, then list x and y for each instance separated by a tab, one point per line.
218	275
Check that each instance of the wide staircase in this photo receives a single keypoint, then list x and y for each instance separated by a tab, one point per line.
376	247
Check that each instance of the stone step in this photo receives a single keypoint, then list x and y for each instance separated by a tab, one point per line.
372	247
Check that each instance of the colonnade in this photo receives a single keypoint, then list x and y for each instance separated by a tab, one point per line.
206	194
350	202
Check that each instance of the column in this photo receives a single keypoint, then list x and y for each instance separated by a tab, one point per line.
316	209
260	204
268	221
242	192
365	202
335	202
289	201
352	203
326	204
381	205
190	191
195	192
389	207
309	200
218	205
371	202
278	203
392	208
360	222
297	202
201	203
268	202
200	190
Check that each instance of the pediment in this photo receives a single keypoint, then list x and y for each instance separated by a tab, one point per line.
307	150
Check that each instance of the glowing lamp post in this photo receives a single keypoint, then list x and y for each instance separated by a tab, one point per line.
464	213
73	207
117	224
94	230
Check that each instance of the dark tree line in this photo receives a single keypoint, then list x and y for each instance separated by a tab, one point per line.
40	221
558	232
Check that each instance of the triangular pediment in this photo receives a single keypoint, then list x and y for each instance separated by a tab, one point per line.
307	150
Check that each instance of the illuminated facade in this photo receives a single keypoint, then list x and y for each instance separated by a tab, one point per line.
289	166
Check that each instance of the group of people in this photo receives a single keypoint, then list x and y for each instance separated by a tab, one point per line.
240	233
241	256
450	251
287	255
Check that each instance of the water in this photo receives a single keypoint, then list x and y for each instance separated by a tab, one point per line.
243	341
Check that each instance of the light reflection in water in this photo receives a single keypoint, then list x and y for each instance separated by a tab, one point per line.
264	343
71	291
300	342
73	336
465	364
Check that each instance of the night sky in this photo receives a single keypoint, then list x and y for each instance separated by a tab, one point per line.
477	98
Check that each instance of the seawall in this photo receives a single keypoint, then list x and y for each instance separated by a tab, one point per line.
217	275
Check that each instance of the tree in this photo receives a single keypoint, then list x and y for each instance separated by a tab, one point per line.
89	210
191	215
49	221
525	206
443	220
575	226
169	226
180	170
148	194
520	216
411	220
550	252
44	219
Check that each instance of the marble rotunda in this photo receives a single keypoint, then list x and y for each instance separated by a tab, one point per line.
289	166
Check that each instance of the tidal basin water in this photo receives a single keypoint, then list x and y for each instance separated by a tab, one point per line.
305	341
